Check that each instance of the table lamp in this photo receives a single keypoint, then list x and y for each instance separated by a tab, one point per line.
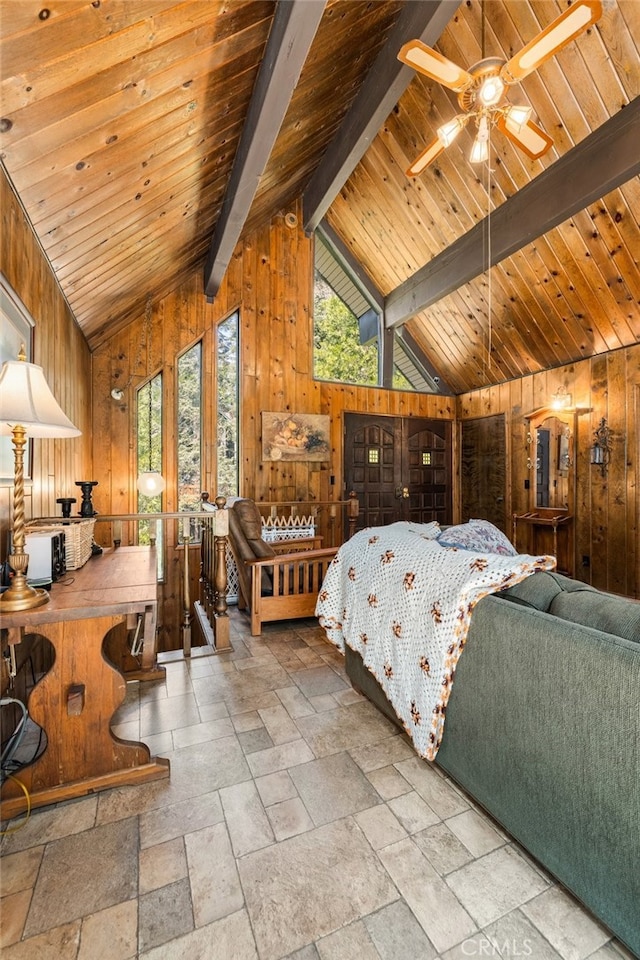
27	409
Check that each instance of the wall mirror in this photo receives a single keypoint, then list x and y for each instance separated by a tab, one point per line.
550	460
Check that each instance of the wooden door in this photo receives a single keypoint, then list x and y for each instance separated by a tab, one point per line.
483	471
399	468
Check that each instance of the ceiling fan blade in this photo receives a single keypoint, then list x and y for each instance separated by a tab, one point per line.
558	34
432	64
425	158
529	137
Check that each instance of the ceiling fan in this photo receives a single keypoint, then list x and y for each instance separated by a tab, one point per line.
482	88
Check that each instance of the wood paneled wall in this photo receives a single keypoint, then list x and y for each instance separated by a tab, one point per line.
60	348
270	282
607	509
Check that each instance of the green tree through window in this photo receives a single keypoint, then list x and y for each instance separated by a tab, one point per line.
338	353
149	437
227	407
190	428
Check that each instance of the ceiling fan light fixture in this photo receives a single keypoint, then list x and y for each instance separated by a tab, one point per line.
450	130
490	92
481	88
479	151
517	116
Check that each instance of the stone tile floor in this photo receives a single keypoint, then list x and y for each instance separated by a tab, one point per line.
297	823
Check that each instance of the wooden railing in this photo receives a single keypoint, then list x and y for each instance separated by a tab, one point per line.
336	521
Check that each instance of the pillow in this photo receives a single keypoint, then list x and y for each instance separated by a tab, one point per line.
479	535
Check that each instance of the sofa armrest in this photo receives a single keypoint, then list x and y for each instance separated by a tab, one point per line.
543	729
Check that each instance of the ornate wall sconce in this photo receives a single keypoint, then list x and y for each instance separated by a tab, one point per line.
532	438
601	448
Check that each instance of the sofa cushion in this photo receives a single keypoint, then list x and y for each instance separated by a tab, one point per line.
536	591
602	611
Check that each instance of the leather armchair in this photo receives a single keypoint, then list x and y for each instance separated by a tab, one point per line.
277	581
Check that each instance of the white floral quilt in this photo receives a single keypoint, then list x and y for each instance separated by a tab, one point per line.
404	603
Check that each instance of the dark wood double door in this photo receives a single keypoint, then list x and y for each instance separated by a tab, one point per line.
399	468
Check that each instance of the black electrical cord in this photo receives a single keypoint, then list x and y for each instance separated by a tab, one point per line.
14	741
8	762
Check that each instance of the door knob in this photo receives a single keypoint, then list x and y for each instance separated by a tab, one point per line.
405	493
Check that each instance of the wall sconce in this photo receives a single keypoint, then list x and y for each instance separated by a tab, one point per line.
561	400
601	449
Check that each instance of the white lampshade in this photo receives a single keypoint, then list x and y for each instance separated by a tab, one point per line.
151	483
517	116
479	151
449	131
26	400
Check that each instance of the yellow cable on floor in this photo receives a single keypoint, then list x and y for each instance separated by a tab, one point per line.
18	826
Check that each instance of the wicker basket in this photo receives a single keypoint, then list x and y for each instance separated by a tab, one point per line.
78	538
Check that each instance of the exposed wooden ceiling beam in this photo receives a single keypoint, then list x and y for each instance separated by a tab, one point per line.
385	83
604	160
294	26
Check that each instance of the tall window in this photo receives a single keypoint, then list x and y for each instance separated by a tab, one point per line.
149	424
227	407
189	438
338	305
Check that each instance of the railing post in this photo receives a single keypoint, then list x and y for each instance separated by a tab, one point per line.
186	611
221	617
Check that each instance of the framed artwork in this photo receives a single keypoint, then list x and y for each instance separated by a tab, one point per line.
295	436
16	328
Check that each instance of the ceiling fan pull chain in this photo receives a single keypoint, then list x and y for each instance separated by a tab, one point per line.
489	289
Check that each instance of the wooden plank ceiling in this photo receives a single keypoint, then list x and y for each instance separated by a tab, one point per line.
121	120
570	294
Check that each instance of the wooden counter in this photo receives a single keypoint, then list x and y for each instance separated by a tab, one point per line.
75	701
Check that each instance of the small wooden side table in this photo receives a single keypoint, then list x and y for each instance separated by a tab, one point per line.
549	534
75	701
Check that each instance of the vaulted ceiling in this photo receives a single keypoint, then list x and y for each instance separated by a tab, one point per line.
144	137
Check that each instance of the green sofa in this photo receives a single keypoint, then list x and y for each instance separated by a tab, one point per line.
543	731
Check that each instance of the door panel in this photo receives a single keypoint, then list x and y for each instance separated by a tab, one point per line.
372	469
400	468
483	469
428	455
